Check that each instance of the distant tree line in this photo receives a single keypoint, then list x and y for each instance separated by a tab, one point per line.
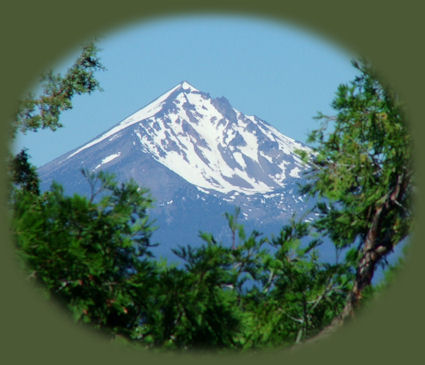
93	253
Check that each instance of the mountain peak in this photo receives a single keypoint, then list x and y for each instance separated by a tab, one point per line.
186	85
208	143
199	157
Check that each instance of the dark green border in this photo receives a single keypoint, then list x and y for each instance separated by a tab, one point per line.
35	34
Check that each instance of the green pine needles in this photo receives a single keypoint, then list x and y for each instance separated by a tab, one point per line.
95	258
43	111
363	170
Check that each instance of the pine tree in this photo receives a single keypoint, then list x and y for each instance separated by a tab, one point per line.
363	170
92	256
24	175
43	110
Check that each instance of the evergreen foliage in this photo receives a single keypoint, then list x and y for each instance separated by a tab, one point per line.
24	175
95	258
362	167
91	256
57	91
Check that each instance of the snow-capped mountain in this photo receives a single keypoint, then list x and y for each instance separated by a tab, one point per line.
199	157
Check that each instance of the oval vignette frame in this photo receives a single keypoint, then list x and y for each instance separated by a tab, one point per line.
35	331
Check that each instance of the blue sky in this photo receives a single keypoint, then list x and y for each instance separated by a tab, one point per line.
273	70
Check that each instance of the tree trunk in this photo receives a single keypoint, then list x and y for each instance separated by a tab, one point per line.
371	254
374	249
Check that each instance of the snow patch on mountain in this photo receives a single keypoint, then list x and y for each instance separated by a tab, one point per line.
141	114
108	159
